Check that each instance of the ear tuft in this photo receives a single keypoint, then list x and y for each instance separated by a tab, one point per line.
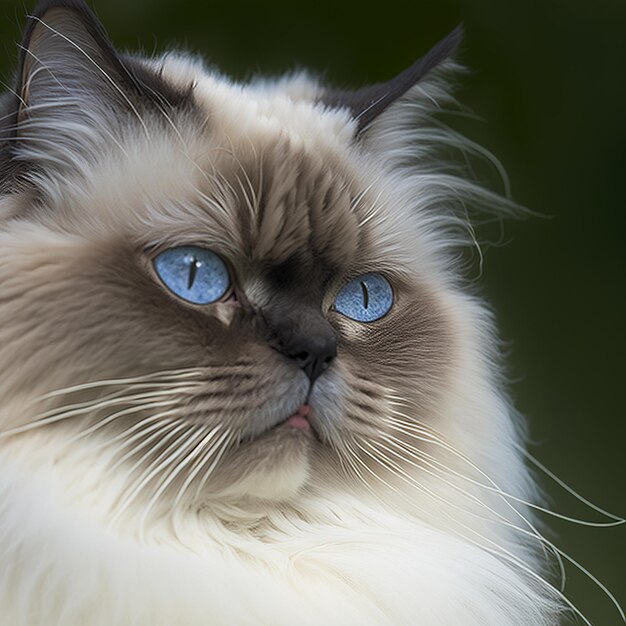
367	103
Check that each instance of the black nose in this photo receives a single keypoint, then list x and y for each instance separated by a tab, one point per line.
313	353
302	333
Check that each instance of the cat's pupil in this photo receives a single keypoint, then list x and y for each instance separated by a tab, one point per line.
194	264
366	295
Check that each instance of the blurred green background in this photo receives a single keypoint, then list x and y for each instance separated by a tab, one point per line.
549	80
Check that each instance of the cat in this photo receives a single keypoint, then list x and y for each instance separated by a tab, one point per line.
243	379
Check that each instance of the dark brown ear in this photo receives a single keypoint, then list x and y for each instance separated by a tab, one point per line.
72	89
66	55
66	52
367	103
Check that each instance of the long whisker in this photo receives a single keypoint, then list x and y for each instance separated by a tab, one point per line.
498	550
187	456
65	413
355	457
165	375
431	436
145	427
166	424
156	466
123	413
199	464
515	559
560	553
403	450
565	486
556	551
228	438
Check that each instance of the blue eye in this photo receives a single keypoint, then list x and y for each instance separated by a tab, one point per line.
366	298
194	274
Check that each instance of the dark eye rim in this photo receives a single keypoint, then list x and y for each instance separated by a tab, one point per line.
153	252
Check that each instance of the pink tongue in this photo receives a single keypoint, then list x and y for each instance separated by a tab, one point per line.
299	420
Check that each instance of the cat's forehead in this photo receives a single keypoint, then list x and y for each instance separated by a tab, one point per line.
272	183
278	166
282	204
264	178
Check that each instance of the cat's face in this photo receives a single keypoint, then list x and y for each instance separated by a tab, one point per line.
291	234
196	397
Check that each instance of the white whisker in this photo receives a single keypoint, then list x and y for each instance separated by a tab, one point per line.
435	440
498	550
166	374
567	488
167	424
199	463
65	413
161	461
406	426
226	439
123	413
187	457
403	450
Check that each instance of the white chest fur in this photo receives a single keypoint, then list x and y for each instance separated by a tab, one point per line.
371	568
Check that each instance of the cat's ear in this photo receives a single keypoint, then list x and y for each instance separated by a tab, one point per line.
73	89
369	103
67	64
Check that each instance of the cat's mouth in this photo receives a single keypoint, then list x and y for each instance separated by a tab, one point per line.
297	424
299	420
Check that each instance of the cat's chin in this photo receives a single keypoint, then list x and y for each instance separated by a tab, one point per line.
274	466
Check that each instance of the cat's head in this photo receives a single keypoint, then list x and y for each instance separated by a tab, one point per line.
221	290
